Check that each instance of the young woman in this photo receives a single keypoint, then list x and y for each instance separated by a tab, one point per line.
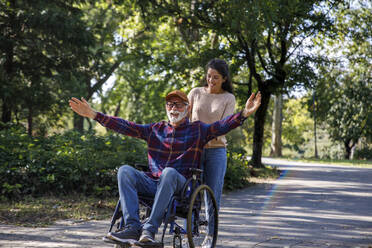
213	102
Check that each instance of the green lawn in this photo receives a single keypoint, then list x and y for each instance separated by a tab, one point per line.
360	163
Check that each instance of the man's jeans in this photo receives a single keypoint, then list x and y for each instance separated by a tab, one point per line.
132	181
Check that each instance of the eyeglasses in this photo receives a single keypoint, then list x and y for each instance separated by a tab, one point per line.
178	105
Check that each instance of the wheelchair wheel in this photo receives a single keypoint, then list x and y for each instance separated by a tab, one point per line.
202	218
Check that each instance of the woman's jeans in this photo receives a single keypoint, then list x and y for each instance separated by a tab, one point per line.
132	181
214	163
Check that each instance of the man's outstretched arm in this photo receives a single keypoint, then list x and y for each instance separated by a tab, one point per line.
82	108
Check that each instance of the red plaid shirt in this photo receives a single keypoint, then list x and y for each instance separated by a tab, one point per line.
178	147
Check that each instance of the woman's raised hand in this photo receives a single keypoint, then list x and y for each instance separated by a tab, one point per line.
252	104
81	107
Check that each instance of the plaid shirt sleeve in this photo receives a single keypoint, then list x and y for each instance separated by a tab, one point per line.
123	126
224	126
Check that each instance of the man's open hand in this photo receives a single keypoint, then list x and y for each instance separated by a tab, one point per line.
82	107
252	104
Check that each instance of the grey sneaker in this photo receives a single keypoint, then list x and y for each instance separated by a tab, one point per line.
185	243
147	236
207	243
127	235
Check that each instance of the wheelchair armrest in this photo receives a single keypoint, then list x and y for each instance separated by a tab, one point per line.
195	171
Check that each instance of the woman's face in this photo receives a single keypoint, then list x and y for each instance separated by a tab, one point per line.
214	80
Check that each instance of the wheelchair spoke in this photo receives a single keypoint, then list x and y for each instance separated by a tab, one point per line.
202	221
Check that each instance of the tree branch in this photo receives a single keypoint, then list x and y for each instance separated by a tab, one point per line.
268	45
101	81
263	63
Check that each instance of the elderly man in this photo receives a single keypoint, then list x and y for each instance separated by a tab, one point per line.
173	148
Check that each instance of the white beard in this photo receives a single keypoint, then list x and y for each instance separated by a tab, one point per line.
173	119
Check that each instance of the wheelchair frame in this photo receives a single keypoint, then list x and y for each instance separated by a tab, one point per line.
187	205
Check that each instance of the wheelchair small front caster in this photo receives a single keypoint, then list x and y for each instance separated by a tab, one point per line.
177	241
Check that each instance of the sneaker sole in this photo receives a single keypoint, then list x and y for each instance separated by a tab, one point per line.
108	240
146	240
124	241
149	244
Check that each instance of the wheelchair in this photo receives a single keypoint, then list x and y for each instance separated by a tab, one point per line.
195	205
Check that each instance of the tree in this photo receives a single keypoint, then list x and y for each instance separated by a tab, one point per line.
345	108
152	66
345	86
266	36
41	44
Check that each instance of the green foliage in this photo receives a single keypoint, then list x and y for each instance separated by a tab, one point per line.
62	164
344	89
237	172
296	124
364	153
42	46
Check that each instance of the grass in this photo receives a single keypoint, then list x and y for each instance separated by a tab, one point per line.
43	211
359	163
264	172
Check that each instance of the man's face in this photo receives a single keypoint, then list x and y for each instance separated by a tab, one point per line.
176	109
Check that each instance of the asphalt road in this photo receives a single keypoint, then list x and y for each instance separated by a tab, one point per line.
310	205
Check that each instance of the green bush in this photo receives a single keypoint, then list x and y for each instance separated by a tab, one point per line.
364	153
64	163
237	172
86	163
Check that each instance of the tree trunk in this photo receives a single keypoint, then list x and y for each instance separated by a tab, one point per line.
347	149
276	130
6	114
78	123
350	146
259	122
315	133
29	121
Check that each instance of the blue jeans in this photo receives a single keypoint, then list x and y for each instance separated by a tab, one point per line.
132	181
214	163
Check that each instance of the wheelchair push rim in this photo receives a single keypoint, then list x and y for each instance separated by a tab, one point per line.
202	218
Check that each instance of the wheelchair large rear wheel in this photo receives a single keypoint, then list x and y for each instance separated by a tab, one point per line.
202	218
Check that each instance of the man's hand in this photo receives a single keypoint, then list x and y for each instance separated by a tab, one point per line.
82	107
252	104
